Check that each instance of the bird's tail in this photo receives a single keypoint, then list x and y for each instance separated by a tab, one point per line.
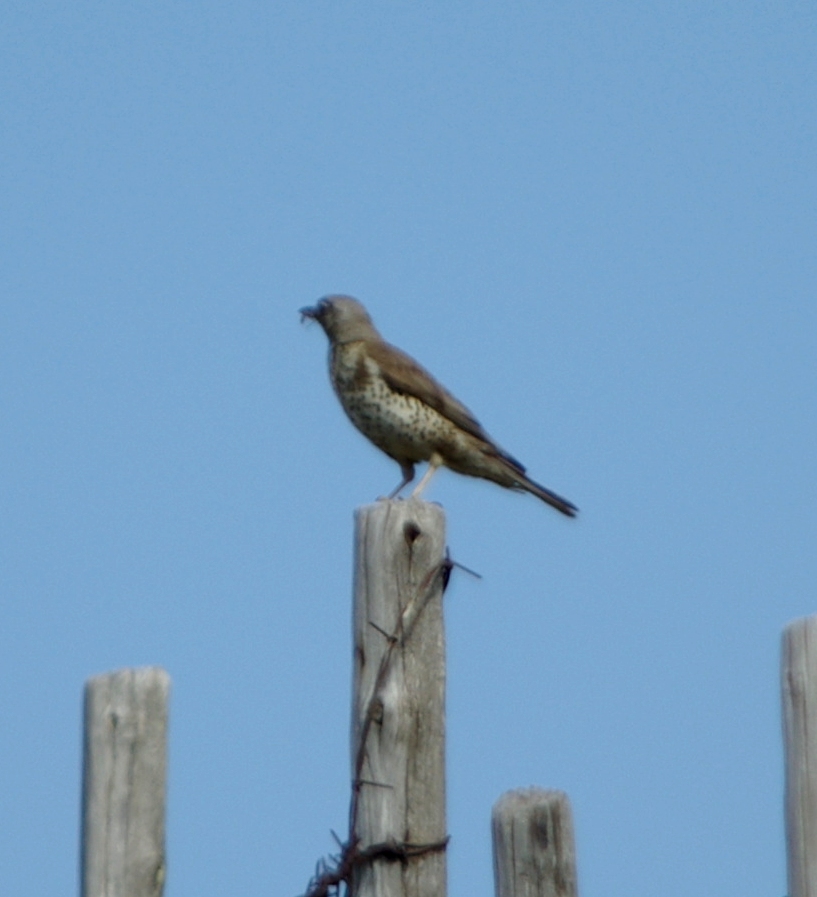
554	500
514	472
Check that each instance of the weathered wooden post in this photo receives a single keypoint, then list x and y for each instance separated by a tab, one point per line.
534	852
124	774
397	814
799	691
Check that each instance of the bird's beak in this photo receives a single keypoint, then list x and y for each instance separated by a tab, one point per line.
309	312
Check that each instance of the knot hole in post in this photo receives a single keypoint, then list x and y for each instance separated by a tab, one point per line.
411	532
539	829
376	710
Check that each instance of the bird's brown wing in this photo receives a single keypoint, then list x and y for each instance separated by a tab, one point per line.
404	374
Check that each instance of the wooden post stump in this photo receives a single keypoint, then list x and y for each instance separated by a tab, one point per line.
124	774
398	730
799	692
534	852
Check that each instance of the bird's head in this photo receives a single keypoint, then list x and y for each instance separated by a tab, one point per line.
343	318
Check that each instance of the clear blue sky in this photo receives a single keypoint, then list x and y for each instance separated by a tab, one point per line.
595	223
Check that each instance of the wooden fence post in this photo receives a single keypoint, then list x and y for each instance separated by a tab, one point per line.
799	691
123	793
397	815
534	851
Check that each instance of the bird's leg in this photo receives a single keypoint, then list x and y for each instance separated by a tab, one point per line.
408	475
433	463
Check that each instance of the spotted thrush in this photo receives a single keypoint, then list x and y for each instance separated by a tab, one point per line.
405	412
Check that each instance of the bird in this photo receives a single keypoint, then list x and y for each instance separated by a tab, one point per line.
405	412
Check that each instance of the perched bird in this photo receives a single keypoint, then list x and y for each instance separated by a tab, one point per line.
405	412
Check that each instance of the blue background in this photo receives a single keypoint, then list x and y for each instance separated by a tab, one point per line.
595	223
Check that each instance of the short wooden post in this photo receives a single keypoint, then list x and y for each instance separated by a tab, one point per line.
534	851
799	691
124	773
398	731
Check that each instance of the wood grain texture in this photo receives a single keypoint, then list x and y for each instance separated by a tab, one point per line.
124	783
534	850
398	724
799	697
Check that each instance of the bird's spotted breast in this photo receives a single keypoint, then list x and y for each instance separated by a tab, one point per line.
400	424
